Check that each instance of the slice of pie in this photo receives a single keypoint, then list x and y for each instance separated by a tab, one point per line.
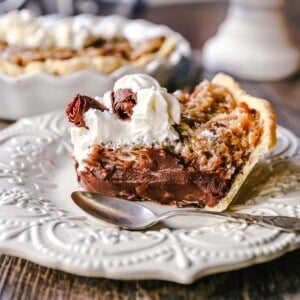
140	142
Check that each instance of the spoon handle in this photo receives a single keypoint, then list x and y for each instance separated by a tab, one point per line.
284	223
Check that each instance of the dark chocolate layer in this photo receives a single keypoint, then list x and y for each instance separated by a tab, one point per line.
151	174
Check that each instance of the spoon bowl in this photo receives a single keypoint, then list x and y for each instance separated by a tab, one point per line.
133	216
126	214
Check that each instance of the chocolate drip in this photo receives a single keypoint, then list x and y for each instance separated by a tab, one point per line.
79	105
123	101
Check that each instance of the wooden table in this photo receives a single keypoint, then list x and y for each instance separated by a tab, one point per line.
278	279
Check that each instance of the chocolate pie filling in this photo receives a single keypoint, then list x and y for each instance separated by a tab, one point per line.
153	174
217	136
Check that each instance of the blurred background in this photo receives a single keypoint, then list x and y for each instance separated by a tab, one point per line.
196	20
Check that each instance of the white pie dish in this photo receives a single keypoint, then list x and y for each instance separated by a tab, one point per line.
32	94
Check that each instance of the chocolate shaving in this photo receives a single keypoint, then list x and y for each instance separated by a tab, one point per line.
123	101
154	174
79	105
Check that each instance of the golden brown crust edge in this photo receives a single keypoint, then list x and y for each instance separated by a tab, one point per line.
101	64
267	140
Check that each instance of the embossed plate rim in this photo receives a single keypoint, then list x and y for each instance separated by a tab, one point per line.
36	228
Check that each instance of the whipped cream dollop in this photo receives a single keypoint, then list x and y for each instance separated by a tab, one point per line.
23	28
151	121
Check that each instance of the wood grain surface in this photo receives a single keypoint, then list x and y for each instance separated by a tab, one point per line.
279	279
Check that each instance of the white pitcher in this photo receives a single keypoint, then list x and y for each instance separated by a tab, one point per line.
253	42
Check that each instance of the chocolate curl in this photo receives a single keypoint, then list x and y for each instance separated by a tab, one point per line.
78	106
123	102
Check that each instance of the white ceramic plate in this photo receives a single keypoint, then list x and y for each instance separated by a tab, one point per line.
39	222
34	94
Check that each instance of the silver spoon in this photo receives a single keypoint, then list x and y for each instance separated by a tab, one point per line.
133	216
